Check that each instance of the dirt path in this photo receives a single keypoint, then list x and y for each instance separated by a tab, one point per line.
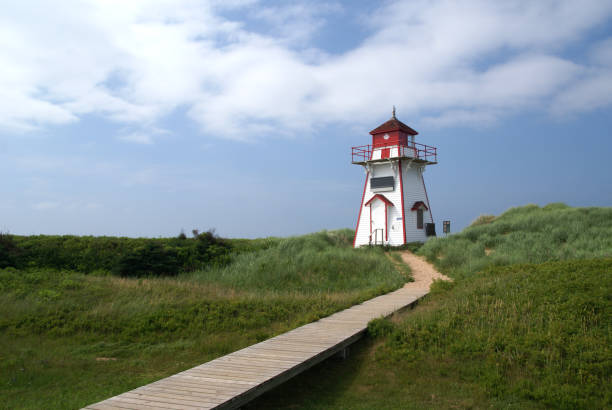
423	272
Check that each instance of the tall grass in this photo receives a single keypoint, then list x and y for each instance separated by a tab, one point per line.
311	264
537	332
80	338
518	337
525	324
528	234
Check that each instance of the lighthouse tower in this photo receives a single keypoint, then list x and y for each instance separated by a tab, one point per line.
394	207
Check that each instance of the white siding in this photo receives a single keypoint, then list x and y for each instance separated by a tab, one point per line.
414	191
394	152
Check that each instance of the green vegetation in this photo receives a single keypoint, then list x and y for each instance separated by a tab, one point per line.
68	338
528	234
312	264
136	257
525	324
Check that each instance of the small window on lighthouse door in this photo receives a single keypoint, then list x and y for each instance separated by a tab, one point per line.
420	218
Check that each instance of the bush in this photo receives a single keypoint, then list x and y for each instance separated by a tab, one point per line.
212	249
8	251
150	260
111	254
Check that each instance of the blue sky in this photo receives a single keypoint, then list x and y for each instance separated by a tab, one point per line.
143	118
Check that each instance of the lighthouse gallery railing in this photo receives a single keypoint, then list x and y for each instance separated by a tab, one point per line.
412	150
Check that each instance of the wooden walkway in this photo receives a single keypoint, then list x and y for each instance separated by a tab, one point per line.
237	378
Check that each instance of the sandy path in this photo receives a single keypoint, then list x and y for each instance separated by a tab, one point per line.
423	272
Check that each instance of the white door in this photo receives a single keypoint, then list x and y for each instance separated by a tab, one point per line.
378	222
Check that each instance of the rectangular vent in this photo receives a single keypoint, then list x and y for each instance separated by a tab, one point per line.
382	184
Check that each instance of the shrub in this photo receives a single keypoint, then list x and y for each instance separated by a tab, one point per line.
112	254
150	260
211	249
8	250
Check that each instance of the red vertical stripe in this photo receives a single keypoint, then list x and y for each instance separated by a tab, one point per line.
386	224
365	184
402	197
427	198
370	222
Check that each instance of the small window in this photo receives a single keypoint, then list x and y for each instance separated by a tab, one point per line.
420	218
382	184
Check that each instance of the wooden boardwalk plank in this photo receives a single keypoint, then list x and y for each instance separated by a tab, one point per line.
233	380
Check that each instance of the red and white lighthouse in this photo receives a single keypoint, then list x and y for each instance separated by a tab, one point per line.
394	207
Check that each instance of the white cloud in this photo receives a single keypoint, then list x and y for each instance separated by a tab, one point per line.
593	88
296	23
592	92
473	118
135	62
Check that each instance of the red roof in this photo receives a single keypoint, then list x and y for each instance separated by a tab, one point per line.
419	204
393	125
381	197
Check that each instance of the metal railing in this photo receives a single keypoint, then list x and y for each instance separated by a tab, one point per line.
414	150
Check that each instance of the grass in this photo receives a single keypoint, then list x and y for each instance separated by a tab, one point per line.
526	324
310	264
528	234
68	339
522	336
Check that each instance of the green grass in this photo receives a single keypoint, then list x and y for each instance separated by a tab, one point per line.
68	339
522	336
311	264
528	234
526	323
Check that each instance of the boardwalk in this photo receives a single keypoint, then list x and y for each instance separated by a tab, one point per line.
235	379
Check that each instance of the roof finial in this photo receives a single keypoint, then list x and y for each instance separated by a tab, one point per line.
393	116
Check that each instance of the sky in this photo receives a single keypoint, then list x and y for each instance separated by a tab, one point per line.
145	118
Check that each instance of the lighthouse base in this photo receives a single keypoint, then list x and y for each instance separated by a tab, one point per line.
395	208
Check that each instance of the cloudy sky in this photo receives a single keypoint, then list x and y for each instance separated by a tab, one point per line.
143	118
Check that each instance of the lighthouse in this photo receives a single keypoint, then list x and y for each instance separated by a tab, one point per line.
394	206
